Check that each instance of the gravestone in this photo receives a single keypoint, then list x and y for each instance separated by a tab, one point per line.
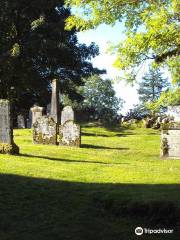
70	134
174	111
170	142
67	114
55	111
21	121
48	109
7	144
45	131
37	112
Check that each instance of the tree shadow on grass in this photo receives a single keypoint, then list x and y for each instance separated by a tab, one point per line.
101	147
106	135
69	160
45	209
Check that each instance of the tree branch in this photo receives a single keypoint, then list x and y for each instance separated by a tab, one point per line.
162	57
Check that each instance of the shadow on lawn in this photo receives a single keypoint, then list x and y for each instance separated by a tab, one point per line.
44	209
69	160
105	135
101	147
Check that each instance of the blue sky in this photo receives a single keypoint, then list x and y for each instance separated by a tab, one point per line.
102	36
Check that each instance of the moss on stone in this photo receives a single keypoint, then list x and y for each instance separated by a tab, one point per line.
6	148
164	147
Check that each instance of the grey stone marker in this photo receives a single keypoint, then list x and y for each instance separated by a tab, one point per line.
45	131
170	143
55	112
36	113
70	134
21	121
7	144
67	114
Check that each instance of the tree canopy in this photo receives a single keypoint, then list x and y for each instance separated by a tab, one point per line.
100	98
152	30
151	86
35	48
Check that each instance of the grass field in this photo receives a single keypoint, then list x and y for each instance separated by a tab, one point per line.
101	191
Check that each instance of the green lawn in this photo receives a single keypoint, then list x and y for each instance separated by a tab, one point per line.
101	191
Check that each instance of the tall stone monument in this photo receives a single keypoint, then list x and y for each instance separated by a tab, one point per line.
37	112
55	111
7	144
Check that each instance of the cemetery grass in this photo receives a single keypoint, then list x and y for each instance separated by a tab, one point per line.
103	190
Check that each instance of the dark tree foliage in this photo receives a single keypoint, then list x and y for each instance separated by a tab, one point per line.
35	48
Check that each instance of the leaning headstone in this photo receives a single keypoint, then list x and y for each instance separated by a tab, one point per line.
170	142
21	121
174	111
70	134
67	114
7	144
45	131
55	111
37	112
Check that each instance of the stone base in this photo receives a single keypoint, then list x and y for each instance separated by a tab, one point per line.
6	148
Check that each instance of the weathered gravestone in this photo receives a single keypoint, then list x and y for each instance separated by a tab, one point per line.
67	114
170	142
45	131
70	134
7	144
37	112
21	121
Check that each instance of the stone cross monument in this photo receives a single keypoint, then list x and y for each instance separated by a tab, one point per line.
7	144
55	112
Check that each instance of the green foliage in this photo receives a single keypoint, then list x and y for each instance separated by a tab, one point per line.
167	98
35	48
152	30
15	51
140	111
151	86
38	22
100	96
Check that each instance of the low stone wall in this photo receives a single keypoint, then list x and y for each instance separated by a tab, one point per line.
170	143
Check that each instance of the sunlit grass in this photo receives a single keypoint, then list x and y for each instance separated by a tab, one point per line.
114	182
124	156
